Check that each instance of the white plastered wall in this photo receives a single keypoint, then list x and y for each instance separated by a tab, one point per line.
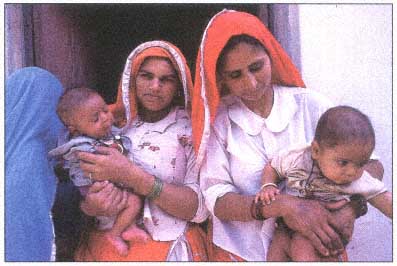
346	53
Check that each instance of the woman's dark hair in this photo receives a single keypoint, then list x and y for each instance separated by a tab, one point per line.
233	41
343	125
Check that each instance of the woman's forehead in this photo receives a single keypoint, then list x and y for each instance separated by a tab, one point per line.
242	54
158	64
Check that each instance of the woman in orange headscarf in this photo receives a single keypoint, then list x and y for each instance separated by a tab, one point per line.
249	102
151	108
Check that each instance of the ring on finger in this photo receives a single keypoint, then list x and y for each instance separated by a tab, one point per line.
90	176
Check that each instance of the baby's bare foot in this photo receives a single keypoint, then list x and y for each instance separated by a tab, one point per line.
134	233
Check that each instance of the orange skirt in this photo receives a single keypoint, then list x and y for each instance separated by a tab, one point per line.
97	248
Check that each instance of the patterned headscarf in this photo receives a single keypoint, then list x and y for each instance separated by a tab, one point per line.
125	108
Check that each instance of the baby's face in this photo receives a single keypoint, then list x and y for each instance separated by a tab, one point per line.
94	118
343	164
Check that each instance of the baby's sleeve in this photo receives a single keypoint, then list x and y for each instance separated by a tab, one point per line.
366	186
283	162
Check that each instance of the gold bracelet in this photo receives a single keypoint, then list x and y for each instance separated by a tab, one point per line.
156	189
268	185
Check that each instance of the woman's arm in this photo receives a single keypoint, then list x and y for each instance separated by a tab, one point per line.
307	217
104	199
375	169
179	201
109	164
234	207
384	203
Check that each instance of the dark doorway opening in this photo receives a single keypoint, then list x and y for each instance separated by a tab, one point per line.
112	31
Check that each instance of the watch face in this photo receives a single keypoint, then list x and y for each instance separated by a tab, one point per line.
359	203
108	142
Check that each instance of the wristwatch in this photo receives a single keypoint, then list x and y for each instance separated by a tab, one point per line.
359	204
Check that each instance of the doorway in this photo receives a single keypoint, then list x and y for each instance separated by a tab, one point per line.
87	44
118	29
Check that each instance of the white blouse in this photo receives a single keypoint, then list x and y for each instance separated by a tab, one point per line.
164	149
240	144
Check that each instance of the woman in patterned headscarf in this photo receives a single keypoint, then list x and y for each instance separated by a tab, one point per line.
152	109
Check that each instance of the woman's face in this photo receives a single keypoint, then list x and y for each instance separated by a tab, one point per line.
246	72
156	84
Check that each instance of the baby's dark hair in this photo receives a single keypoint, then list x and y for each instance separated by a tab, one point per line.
343	125
72	99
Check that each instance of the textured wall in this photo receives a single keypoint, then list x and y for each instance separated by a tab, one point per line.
347	55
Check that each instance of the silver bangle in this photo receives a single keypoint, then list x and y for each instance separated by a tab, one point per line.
156	189
268	185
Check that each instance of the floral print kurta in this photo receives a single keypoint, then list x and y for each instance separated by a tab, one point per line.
164	149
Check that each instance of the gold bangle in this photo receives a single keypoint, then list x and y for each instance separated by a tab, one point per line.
156	189
268	185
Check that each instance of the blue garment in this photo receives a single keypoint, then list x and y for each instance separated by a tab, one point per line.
32	127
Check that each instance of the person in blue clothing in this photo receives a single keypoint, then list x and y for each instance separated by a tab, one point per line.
31	130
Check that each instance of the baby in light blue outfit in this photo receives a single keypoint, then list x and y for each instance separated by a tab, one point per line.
90	124
69	150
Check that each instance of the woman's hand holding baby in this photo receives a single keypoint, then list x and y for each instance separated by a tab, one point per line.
344	219
106	164
312	220
109	164
104	199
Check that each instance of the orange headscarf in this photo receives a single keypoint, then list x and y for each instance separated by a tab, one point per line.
125	108
205	97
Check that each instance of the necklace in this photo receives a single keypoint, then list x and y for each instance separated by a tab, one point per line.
308	190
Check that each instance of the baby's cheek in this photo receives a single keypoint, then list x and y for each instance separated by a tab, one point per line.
359	174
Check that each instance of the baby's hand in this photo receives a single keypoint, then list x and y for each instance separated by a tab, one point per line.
267	194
